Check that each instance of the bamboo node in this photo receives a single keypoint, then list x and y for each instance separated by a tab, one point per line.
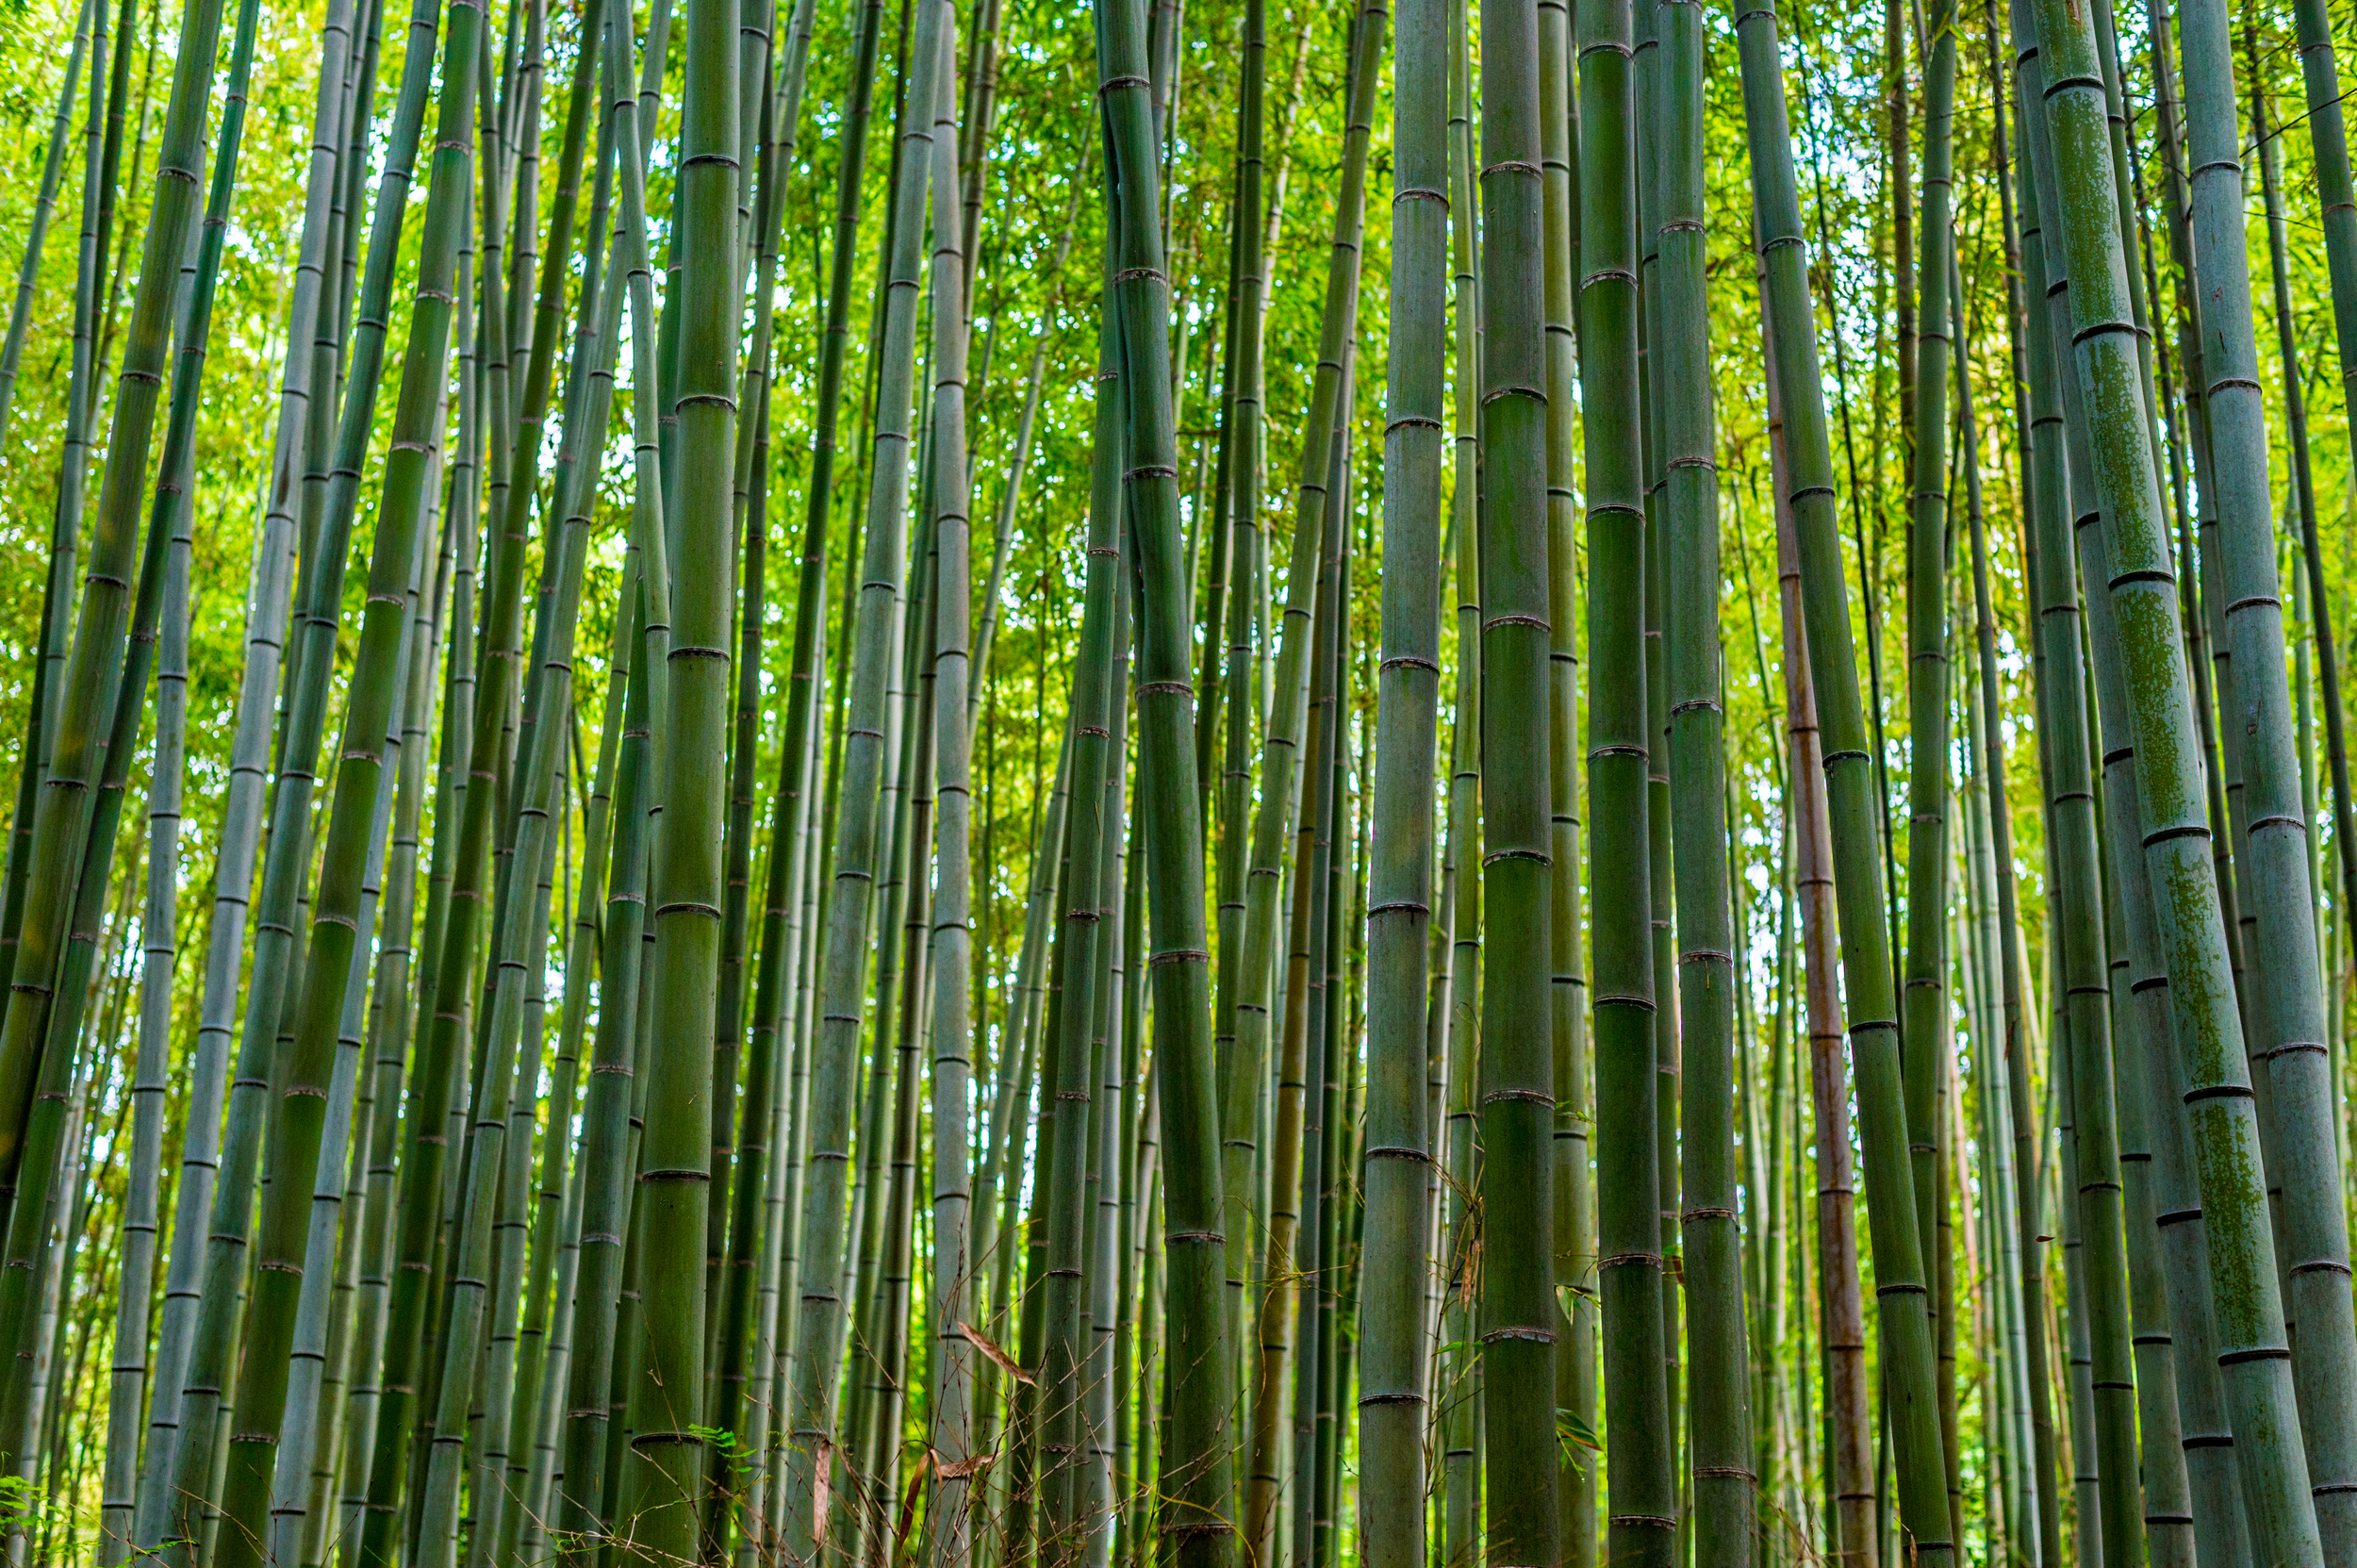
2321	1265
1408	661
1396	1151
1645	1521
1518	1096
1179	955
1211	1237
2255	1353
1691	1215
1531	1336
1726	1471
1900	1288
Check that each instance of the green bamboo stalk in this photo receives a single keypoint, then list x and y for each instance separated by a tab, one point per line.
1899	1273
2100	1317
1517	1308
2139	1003
1575	1200
33	1272
1721	1415
52	169
369	1228
948	1290
1195	1468
103	628
66	516
1244	438
580	1518
2288	1020
660	1487
300	1435
856	849
594	351
2024	1194
1392	1400
1282	732
160	939
1291	1260
328	962
1925	348
2208	1038
2328	141
1459	1419
1642	1455
744	1208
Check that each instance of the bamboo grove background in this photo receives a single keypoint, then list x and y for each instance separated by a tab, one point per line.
1251	783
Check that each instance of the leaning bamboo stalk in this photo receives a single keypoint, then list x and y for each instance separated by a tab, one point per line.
298	1432
2038	1461
2328	141
2281	828
2099	1317
160	940
1924	349
1899	1271
52	168
32	1270
856	849
328	959
1241	993
2209	1037
103	627
390	1021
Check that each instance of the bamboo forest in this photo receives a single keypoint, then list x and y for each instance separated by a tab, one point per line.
1264	783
